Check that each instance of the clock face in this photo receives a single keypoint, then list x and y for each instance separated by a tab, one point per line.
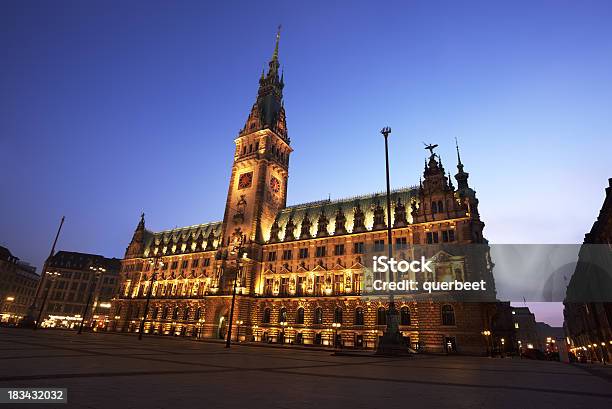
275	185
245	180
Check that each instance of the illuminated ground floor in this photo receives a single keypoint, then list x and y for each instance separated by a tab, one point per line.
357	322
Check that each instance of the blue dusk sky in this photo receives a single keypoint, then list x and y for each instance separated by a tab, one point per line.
113	108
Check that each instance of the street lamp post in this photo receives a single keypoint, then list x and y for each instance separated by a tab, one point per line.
238	251
98	271
52	277
391	342
239	323
6	302
486	334
283	324
156	263
29	319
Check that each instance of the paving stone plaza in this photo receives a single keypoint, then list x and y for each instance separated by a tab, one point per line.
102	370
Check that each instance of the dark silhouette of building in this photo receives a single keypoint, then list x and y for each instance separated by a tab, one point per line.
588	302
18	282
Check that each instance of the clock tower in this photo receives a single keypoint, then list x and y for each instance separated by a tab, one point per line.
258	183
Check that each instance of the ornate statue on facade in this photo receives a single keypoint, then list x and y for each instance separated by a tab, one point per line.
240	209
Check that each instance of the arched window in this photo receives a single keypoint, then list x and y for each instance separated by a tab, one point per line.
434	207
381	316
405	316
448	315
165	313
282	315
440	206
299	319
155	312
186	314
318	318
338	315
266	316
198	313
359	316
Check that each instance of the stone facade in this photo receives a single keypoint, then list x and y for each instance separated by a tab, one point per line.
65	292
302	268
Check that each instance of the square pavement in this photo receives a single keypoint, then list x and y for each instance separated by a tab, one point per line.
104	370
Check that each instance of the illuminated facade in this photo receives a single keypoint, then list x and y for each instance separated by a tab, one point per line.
306	277
67	292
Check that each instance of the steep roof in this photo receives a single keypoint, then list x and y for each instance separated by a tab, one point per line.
348	206
80	261
187	237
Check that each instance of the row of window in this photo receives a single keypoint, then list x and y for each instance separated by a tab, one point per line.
276	152
319	285
434	237
184	264
165	313
448	316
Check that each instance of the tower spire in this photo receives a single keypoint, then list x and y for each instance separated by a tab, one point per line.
459	164
461	176
268	111
275	55
141	224
274	64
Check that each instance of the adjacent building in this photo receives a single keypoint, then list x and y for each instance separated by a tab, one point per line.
526	329
18	283
71	280
303	273
588	302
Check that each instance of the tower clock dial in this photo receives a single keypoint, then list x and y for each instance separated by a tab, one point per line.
275	185
245	180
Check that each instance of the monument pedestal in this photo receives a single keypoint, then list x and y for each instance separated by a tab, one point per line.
392	342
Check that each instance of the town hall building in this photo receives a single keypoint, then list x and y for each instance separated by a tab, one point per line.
303	274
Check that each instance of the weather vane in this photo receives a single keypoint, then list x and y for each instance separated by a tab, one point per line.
430	147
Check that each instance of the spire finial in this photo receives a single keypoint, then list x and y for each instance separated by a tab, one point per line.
141	223
275	56
458	156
